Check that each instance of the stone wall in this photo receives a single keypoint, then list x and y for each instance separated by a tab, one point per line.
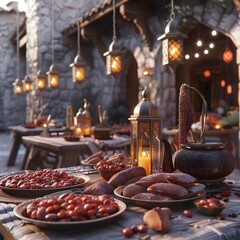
12	107
98	87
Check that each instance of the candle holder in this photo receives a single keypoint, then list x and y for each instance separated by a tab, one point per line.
145	123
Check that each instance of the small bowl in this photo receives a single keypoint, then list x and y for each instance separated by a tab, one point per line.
107	173
214	209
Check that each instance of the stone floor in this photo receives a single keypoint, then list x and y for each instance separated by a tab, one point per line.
5	144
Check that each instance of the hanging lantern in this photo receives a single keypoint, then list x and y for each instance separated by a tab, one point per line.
17	87
78	70
27	84
172	45
40	80
113	59
113	55
145	135
227	56
207	73
53	75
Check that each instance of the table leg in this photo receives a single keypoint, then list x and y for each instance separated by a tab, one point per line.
32	160
16	142
68	159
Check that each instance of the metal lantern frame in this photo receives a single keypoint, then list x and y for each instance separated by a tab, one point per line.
78	70
172	44
27	84
53	77
113	59
145	147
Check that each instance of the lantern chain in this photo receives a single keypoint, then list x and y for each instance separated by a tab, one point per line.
172	15
17	40
114	22
52	33
78	30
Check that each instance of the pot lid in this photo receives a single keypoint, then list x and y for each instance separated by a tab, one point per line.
203	146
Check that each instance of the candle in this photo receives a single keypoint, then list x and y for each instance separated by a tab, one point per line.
144	161
78	131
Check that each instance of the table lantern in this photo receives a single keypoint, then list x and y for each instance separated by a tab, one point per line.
145	147
79	123
87	118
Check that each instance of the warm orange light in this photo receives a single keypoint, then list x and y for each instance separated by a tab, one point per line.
223	83
144	161
227	56
207	73
41	84
27	87
229	89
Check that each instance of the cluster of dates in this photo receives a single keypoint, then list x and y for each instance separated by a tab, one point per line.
40	179
71	207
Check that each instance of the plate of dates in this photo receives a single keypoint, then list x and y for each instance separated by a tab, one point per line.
69	210
41	182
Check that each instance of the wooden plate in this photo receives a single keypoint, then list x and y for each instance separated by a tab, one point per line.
20	209
156	203
33	193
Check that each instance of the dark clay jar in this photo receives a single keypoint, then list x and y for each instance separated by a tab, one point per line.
208	162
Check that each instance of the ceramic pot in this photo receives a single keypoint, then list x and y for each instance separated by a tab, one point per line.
208	162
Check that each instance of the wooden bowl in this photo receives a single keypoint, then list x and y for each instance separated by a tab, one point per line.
107	173
209	210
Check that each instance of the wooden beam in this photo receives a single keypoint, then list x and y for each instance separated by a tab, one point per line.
138	14
90	33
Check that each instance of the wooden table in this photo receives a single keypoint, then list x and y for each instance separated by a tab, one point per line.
16	133
223	135
67	153
198	227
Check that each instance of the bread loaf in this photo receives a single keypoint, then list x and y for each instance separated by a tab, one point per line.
151	179
158	219
121	178
99	188
168	189
195	190
181	178
133	189
151	196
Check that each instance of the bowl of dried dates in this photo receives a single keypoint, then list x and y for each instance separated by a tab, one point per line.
107	168
210	206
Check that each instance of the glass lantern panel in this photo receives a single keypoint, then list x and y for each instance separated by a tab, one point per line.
115	64
53	80
87	125
27	87
78	73
134	143
144	148
41	84
175	50
18	89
